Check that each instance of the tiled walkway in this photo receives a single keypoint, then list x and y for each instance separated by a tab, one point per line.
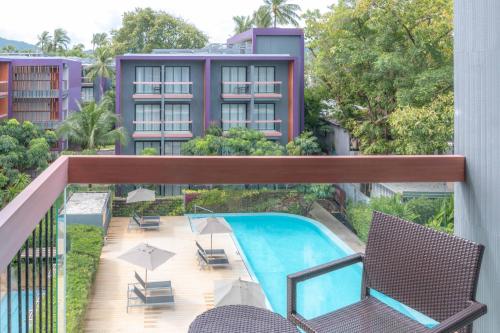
193	288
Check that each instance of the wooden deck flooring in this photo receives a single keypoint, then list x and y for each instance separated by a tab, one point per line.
193	288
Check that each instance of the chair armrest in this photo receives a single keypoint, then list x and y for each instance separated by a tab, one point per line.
461	318
295	278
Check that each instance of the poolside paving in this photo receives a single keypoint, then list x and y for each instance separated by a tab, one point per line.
193	288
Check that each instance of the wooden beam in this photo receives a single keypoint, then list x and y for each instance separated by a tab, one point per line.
264	169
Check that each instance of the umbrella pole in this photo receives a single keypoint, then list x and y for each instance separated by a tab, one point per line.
146	287
211	245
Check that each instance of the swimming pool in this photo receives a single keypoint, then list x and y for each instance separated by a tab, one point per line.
15	310
274	245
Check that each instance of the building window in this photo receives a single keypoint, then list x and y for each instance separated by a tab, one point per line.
237	74
176	117
263	117
140	145
148	74
265	74
173	148
147	117
177	74
233	115
88	94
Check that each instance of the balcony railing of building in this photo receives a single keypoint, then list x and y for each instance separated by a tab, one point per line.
171	90
4	89
30	246
262	90
87	82
214	48
270	128
166	128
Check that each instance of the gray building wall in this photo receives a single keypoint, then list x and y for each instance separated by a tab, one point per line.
128	103
477	124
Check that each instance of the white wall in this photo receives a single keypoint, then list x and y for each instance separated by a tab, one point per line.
477	136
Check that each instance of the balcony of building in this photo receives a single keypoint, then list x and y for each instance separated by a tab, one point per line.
213	48
172	91
171	129
270	128
4	89
258	90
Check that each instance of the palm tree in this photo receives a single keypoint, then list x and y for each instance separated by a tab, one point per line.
243	23
60	40
93	127
102	68
262	18
44	41
282	12
99	40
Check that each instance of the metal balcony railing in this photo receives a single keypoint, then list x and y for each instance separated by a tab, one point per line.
174	90
4	88
243	89
271	127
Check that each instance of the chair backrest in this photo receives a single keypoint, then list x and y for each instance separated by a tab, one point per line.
139	294
140	280
200	248
136	218
203	257
430	271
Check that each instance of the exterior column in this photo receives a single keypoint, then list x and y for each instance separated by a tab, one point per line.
162	110
477	134
252	96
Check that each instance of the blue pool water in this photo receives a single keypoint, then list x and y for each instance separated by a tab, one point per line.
15	311
274	245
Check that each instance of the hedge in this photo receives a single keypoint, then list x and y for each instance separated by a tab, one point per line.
86	243
163	206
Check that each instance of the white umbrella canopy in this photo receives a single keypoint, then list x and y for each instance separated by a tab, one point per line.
146	256
211	225
232	292
141	194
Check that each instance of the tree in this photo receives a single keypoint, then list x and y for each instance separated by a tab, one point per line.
423	130
377	56
102	68
44	41
262	18
305	144
237	141
145	29
282	12
149	151
242	23
60	41
99	40
77	50
24	150
93	127
9	49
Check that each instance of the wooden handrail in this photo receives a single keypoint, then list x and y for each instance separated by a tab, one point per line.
20	217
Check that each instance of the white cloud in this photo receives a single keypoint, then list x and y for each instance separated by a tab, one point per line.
24	20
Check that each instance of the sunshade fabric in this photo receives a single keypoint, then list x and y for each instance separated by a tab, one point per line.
146	256
140	195
231	292
212	225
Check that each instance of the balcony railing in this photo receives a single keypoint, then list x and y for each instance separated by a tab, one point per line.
171	90
27	222
4	88
166	129
243	90
270	128
87	81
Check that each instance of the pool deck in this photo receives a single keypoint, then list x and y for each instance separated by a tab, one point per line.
193	288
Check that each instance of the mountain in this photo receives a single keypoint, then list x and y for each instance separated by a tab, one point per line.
21	46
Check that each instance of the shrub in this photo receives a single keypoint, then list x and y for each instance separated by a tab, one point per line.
164	206
81	266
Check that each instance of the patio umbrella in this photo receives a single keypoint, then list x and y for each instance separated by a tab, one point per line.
141	194
231	292
146	256
212	225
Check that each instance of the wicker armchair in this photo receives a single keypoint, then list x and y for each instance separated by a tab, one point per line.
431	272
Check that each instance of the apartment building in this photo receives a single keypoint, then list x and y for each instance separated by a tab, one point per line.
42	90
256	80
92	90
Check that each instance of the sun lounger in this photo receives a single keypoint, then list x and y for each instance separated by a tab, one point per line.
136	298
150	222
156	285
211	252
212	261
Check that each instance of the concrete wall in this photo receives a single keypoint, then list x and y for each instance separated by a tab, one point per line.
477	124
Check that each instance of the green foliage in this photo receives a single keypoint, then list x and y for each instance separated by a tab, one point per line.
93	127
165	206
376	57
237	141
24	149
102	68
145	29
242	23
149	151
423	130
282	12
82	262
305	144
426	211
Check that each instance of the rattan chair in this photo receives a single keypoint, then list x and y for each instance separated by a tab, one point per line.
429	271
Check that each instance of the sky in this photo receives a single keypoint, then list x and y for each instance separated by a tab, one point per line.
24	20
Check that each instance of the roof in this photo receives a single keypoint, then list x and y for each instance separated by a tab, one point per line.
86	203
252	33
203	56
